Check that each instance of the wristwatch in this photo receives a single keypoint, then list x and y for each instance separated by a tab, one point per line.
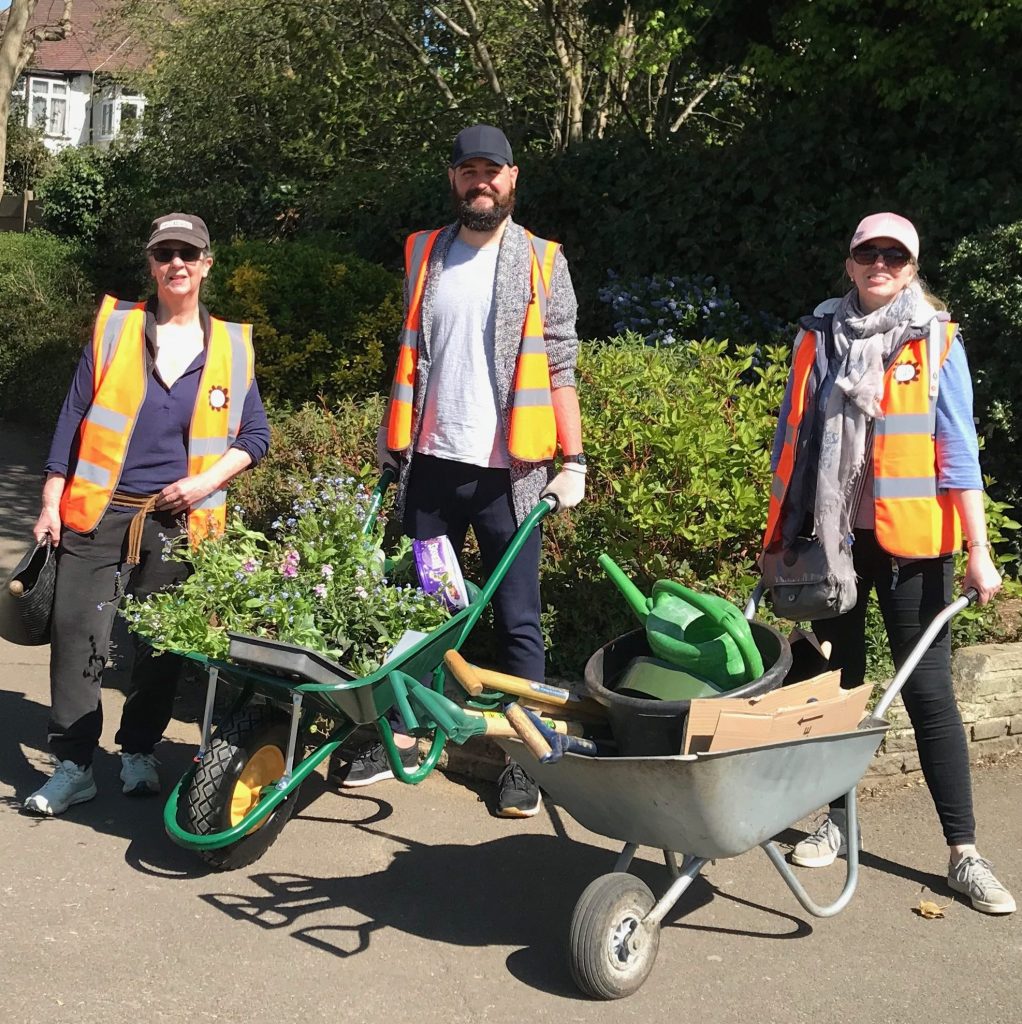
579	459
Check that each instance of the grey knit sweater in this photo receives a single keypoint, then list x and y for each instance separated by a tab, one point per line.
512	298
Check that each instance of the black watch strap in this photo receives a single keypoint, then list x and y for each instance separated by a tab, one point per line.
580	459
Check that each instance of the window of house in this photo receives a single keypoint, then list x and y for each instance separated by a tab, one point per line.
130	112
107	119
48	106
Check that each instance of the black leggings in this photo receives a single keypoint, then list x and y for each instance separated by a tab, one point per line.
910	597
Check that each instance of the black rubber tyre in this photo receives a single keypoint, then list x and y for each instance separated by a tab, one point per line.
610	950
207	803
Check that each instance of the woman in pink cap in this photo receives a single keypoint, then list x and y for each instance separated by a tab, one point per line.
876	454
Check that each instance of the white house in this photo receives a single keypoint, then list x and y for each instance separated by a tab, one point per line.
70	88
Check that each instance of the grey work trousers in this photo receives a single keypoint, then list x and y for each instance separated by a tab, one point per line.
83	617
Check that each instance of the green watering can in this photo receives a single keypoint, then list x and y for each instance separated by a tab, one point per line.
700	633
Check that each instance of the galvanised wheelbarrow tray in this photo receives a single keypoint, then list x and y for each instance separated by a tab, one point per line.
235	801
703	806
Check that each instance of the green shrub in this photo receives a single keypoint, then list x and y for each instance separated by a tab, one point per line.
27	159
326	324
46	312
72	195
984	290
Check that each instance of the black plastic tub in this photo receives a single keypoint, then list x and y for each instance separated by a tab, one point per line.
648	728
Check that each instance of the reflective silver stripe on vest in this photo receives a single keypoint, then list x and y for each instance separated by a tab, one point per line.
240	380
199	446
415	263
539	248
402	392
409	339
906	423
110	419
790	433
531	396
214	500
533	346
112	330
92	473
777	489
905	487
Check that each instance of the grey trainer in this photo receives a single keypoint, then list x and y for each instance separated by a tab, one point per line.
973	876
69	784
822	847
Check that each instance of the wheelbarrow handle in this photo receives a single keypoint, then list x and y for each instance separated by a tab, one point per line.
387	477
892	691
754	598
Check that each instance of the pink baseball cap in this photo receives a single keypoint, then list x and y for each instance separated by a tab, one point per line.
887	225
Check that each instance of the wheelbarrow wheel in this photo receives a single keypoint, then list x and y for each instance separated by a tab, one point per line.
611	950
247	753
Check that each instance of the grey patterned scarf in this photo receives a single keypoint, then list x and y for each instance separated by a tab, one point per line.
863	344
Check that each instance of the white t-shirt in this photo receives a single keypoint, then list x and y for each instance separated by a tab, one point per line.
461	420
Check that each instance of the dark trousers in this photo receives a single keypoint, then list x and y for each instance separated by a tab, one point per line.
909	600
83	617
447	497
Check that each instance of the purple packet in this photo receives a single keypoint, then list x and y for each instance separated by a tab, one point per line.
439	571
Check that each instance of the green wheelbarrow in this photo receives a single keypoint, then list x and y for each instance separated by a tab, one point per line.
238	796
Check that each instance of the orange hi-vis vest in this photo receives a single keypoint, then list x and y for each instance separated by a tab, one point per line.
532	435
913	519
119	386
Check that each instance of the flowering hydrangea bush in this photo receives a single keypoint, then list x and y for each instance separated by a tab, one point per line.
317	582
680	309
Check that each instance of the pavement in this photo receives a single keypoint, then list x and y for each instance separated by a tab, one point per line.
415	903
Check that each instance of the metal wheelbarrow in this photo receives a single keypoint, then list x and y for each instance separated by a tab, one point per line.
702	806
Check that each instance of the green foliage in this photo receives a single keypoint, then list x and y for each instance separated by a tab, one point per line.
309	442
678	440
73	193
319	583
27	160
325	324
984	281
46	310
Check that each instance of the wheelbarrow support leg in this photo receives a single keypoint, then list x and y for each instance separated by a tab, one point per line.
851	878
207	714
624	858
292	740
690	868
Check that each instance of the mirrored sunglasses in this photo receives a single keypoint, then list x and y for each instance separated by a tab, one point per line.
894	258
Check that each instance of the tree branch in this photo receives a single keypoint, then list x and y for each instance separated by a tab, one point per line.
698	98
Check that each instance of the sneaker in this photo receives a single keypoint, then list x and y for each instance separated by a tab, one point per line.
822	847
69	784
974	876
371	764
138	773
517	793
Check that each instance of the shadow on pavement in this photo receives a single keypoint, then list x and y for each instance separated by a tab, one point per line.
21	483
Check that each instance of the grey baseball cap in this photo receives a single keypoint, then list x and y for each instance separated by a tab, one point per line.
179	227
481	140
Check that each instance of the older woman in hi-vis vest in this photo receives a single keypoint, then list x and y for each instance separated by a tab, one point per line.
163	411
880	395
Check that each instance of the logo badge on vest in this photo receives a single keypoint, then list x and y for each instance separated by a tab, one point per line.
218	398
905	373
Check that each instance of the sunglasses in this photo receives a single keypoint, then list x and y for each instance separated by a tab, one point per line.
165	253
867	255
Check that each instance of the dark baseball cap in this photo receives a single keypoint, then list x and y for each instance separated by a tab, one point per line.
179	227
481	140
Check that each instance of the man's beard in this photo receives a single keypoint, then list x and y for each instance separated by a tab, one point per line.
483	220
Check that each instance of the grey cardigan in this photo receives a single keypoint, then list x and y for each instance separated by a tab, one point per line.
512	297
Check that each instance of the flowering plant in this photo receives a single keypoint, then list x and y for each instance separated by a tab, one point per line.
319	582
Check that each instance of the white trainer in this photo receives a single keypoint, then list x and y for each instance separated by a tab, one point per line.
69	784
138	773
821	848
973	877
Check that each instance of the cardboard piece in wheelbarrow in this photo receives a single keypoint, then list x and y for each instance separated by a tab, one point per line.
815	707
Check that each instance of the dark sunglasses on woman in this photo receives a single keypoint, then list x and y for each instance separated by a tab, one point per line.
867	255
165	253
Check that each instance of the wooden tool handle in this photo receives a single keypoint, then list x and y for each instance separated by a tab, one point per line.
521	687
466	675
527	732
497	724
16	587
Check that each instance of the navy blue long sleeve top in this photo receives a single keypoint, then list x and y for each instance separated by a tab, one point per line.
157	453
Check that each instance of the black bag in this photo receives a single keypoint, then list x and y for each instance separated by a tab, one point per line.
805	584
30	589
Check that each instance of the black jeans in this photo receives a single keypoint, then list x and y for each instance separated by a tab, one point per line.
83	617
909	600
446	497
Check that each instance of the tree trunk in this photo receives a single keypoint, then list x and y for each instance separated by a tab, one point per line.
17	47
